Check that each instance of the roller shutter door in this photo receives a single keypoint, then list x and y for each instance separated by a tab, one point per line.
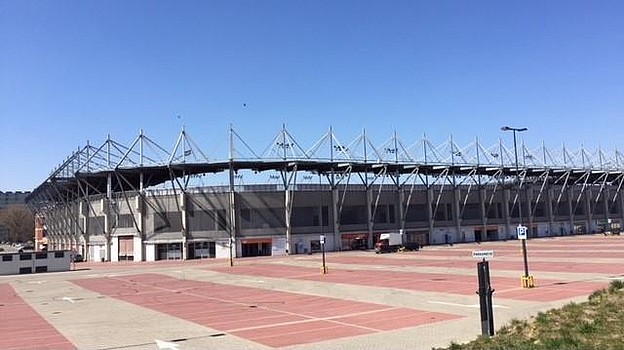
126	248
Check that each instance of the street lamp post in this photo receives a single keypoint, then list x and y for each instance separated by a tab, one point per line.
527	280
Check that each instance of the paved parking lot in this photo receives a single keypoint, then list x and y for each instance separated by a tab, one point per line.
412	300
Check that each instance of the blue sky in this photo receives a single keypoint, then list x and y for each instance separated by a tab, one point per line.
72	71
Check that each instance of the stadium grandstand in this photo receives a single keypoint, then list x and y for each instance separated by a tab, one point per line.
144	202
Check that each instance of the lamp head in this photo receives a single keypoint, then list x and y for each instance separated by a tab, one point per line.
507	128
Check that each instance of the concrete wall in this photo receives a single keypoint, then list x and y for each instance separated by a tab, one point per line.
150	252
34	262
222	249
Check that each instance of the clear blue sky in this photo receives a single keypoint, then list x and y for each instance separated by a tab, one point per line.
72	71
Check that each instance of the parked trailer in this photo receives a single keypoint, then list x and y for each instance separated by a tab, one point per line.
393	242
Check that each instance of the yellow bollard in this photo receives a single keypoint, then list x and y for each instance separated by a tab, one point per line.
527	281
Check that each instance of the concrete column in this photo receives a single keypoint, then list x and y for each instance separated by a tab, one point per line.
529	210
287	215
589	216
457	211
621	197
369	216
86	205
549	211
336	219
570	209
482	196
506	213
139	212
401	206
107	228
85	217
430	213
64	226
605	202
71	228
140	208
184	216
107	212
233	222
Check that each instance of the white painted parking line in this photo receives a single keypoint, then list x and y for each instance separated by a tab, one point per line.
256	281
166	345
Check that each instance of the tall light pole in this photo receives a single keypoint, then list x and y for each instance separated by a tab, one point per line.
527	280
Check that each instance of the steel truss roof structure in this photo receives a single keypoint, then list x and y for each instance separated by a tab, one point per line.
115	167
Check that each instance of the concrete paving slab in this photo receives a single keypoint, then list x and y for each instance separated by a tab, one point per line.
22	327
170	309
271	318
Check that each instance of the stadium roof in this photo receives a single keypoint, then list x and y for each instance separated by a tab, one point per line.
145	163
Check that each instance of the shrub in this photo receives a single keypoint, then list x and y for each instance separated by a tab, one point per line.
616	285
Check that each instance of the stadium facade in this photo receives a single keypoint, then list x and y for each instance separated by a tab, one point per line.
143	202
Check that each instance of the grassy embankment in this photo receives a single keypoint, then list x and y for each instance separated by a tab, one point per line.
597	323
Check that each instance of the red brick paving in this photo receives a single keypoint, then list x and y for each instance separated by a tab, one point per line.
279	319
390	319
23	328
301	333
535	266
271	318
506	287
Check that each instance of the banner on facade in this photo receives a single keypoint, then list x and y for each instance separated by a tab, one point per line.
279	246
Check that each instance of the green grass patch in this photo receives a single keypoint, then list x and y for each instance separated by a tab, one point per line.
597	324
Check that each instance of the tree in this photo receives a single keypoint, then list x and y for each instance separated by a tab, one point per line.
20	222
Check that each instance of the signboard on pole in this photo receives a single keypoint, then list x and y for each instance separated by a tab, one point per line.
322	239
483	254
521	231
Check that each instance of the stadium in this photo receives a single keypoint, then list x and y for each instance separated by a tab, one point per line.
144	202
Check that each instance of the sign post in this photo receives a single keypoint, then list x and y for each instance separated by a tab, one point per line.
527	280
485	298
323	268
485	291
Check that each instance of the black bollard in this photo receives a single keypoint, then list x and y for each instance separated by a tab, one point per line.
485	298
